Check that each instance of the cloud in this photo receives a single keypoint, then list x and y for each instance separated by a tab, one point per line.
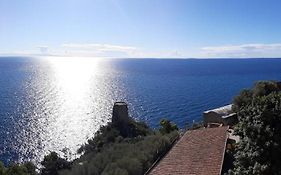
116	51
123	51
98	50
100	47
243	51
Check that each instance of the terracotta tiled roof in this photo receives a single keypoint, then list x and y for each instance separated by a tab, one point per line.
198	152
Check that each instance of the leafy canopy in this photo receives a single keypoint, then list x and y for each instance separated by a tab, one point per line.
259	128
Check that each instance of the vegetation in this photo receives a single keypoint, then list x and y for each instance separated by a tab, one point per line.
121	148
259	128
52	163
17	169
261	88
110	153
167	126
128	156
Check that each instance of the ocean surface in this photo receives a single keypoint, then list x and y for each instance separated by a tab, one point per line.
56	104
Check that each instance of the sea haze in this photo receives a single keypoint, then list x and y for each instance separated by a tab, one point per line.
56	104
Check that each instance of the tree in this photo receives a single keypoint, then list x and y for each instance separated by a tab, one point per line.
18	169
259	128
2	168
123	155
261	88
31	168
52	163
167	126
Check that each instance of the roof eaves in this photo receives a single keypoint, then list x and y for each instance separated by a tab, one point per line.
225	142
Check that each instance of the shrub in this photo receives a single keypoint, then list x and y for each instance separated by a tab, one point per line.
259	128
18	169
167	126
52	163
131	156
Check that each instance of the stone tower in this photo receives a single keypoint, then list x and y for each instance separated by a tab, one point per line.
120	113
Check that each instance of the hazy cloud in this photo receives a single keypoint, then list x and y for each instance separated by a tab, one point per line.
101	47
97	50
109	50
244	50
100	50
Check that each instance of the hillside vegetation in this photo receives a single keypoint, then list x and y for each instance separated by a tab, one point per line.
111	152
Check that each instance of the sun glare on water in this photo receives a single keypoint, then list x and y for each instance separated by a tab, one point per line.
75	109
74	75
64	102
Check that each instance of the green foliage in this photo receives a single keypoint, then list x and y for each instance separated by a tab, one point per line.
261	88
17	169
140	129
131	156
52	163
111	133
243	99
2	169
31	168
113	169
131	128
259	128
110	152
167	126
107	134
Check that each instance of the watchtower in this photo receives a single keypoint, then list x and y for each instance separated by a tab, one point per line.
120	113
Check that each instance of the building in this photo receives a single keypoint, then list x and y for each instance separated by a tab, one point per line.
222	115
198	152
120	113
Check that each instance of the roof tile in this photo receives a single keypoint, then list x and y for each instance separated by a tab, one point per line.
198	152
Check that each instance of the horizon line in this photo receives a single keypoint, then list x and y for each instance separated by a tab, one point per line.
167	58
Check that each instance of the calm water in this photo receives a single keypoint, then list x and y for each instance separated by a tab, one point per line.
48	104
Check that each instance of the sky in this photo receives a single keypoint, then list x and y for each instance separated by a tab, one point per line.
141	28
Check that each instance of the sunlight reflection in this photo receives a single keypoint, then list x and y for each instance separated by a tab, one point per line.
76	81
74	74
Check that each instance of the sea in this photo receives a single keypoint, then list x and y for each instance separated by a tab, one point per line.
57	103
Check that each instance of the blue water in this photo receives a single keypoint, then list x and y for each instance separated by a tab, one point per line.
48	104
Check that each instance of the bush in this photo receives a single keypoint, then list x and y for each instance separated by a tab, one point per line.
52	163
261	88
2	168
123	155
259	128
167	126
17	169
